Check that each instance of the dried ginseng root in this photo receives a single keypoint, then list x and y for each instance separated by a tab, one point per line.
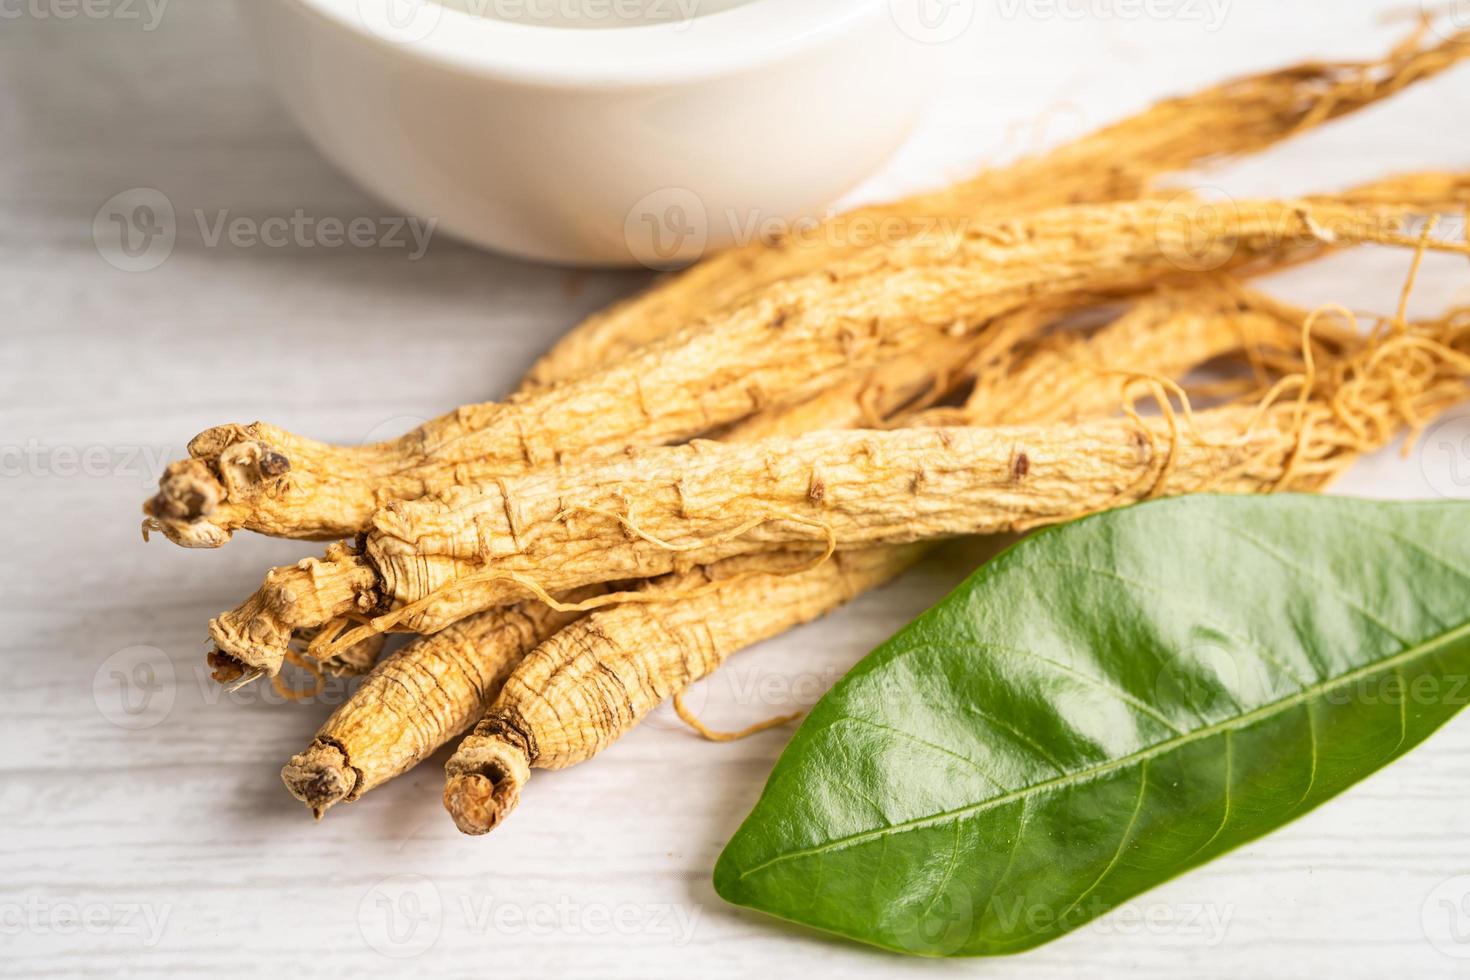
1242	116
436	687
586	686
1167	334
702	503
573	698
416	700
439	685
235	473
658	511
788	343
1449	191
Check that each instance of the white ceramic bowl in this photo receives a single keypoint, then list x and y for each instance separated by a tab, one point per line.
623	140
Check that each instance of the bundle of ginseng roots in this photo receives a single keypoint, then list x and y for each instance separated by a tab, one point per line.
757	440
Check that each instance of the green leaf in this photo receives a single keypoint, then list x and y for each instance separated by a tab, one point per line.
1104	706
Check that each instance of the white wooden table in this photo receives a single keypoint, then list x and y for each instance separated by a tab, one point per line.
160	842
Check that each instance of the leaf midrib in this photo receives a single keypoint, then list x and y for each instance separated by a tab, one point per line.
1244	721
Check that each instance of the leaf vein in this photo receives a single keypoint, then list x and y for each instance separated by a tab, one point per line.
1229	797
1122	843
1018	735
1409	542
1231	724
1199	613
1313	751
954	860
910	736
1332	587
1132	701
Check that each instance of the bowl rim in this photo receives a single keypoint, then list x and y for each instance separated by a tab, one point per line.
739	39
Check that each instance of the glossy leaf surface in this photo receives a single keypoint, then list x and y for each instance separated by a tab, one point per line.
1104	706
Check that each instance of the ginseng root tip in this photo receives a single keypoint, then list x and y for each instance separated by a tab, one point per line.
484	785
478	803
189	492
225	669
320	777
